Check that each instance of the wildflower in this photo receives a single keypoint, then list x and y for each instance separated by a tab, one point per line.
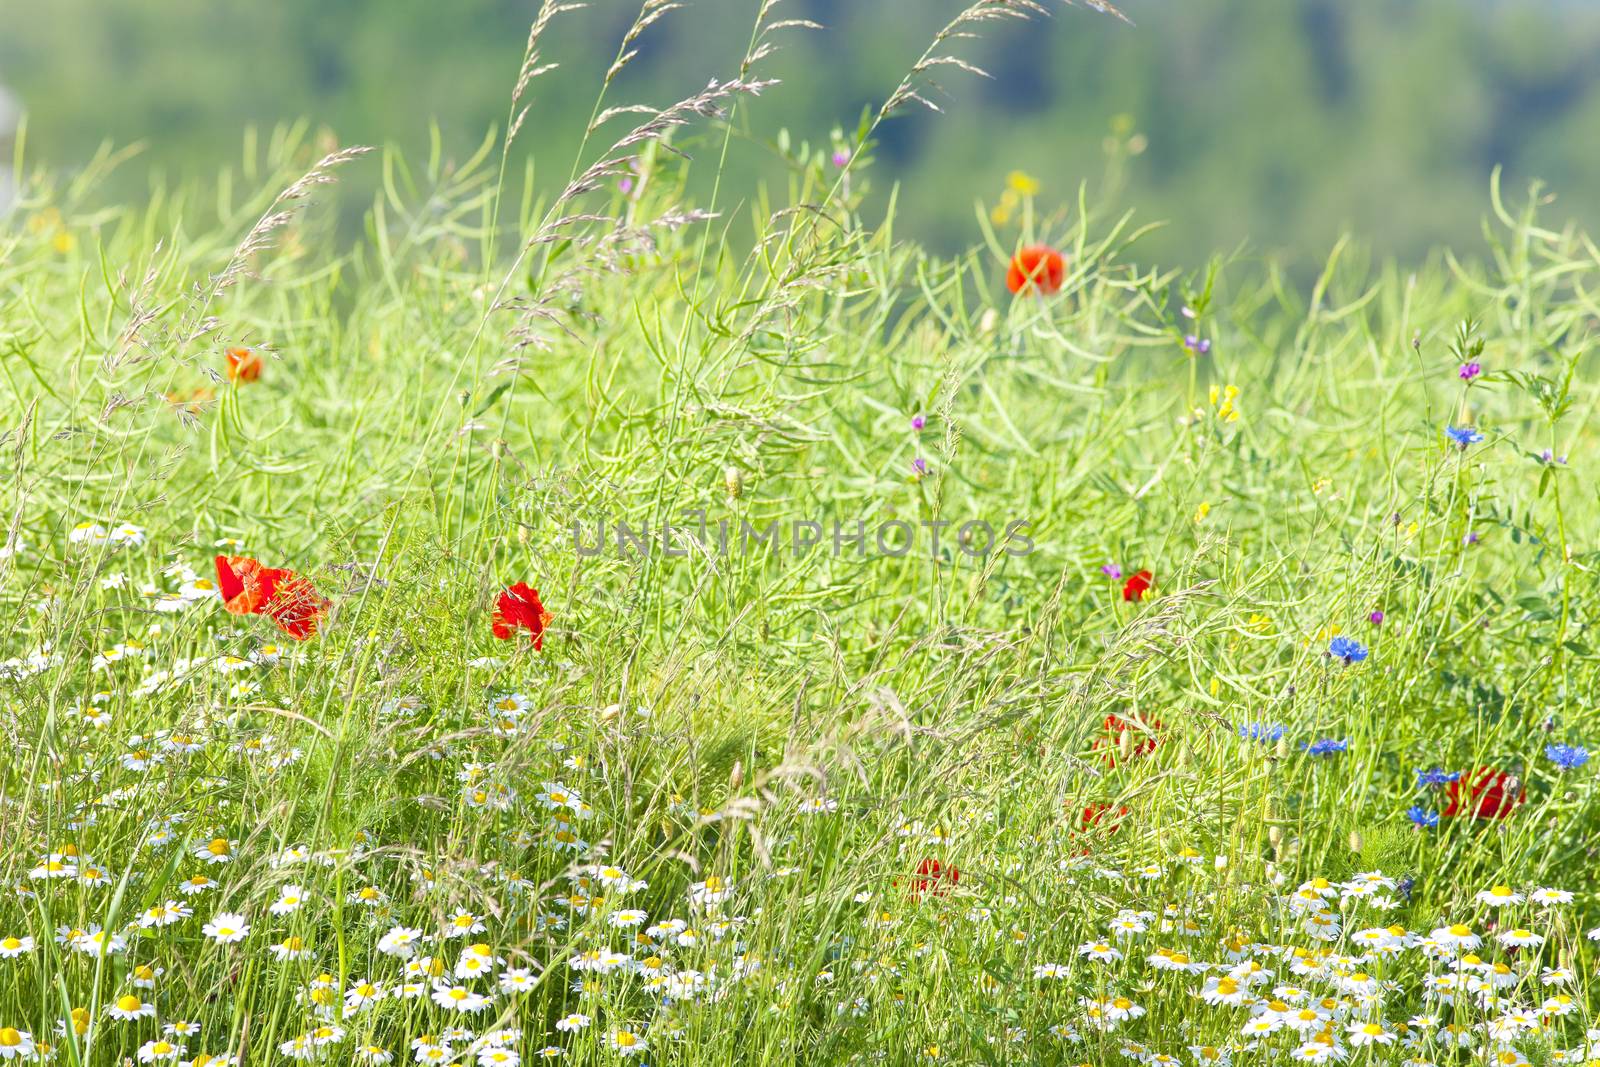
1128	737
519	607
1037	269
289	600
572	1023
1326	746
1463	436
226	928
1519	938
1111	570
1266	733
1099	952
626	1042
1222	399
1197	346
1422	818
1484	793
1457	936
918	421
1469	371
919	468
1135	588
1376	618
1436	777
1498	896
159	1051
12	947
244	364
14	1042
128	1007
1347	649
1022	183
1362	1034
459	998
1567	757
934	877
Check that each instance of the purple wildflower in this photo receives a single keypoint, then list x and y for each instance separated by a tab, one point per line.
1376	618
918	421
1112	571
1470	371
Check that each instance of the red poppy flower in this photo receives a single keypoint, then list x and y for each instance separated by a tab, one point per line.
1094	818
244	365
283	596
934	877
1141	735
1483	793
1136	587
1036	269
519	607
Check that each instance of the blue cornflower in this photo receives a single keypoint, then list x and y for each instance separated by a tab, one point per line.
1463	436
1262	731
1421	817
1436	777
1348	649
1567	757
1266	733
1326	746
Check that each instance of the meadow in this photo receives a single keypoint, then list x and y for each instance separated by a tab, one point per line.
1033	656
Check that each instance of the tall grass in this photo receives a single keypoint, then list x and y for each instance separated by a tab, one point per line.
832	733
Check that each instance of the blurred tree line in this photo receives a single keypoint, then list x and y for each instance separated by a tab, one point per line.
1272	122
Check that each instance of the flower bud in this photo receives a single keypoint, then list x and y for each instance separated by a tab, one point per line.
733	481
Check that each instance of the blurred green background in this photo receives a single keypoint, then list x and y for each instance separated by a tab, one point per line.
1273	123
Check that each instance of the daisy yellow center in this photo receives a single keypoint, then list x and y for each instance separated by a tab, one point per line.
1459	930
1227	985
218	846
625	1039
1372	1029
11	943
161	1048
1122	1003
10	1036
129	1003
